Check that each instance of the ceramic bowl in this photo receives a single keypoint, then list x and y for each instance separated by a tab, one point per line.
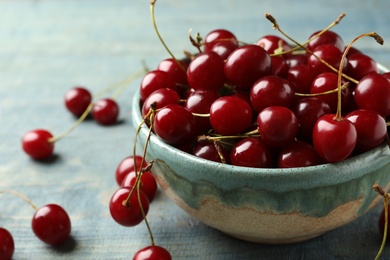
273	206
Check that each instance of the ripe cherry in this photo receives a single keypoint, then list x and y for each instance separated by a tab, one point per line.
298	154
373	93
208	151
154	80
152	253
148	183
7	246
37	144
105	111
251	152
220	41
77	100
360	65
334	138
128	214
175	125
246	65
278	126
371	129
177	72
273	44
230	115
206	72
161	97
51	224
271	91
128	165
300	77
328	53
326	38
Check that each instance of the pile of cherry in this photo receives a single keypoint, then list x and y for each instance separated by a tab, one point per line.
264	105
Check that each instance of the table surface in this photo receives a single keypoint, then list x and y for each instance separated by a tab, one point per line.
49	46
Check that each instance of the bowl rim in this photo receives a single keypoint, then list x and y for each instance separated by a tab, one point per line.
312	175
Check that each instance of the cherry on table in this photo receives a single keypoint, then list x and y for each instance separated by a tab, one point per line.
105	111
128	214
152	252
7	245
36	143
51	224
148	183
77	100
128	164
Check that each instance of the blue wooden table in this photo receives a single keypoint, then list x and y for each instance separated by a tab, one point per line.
49	46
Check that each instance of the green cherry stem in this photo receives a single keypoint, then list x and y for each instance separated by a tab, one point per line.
378	39
385	195
20	195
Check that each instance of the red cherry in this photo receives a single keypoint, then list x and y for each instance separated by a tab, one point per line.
277	125
105	111
360	65
298	154
162	97
220	41
7	246
176	72
154	80
51	224
334	138
371	129
373	93
152	253
206	72
271	91
251	152
230	115
77	100
175	125
279	66
131	214
329	53
128	165
209	152
37	145
300	76
326	38
148	183
246	65
273	44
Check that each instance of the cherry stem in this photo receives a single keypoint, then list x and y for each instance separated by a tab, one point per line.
378	39
124	83
152	5
20	196
195	42
330	26
276	27
220	137
385	195
323	93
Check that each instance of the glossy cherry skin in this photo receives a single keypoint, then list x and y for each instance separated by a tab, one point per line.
308	110
154	80
373	93
206	71
161	97
220	41
329	53
223	49
128	215
127	165
230	115
152	253
271	91
246	65
105	111
300	77
209	152
298	154
273	44
334	138
199	101
51	224
360	65
278	126
175	125
7	245
326	38
279	66
371	129
251	152
77	100
176	71
148	183
36	144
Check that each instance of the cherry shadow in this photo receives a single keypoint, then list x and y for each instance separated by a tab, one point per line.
67	246
52	159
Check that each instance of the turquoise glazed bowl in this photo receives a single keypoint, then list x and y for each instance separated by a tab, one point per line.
273	206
